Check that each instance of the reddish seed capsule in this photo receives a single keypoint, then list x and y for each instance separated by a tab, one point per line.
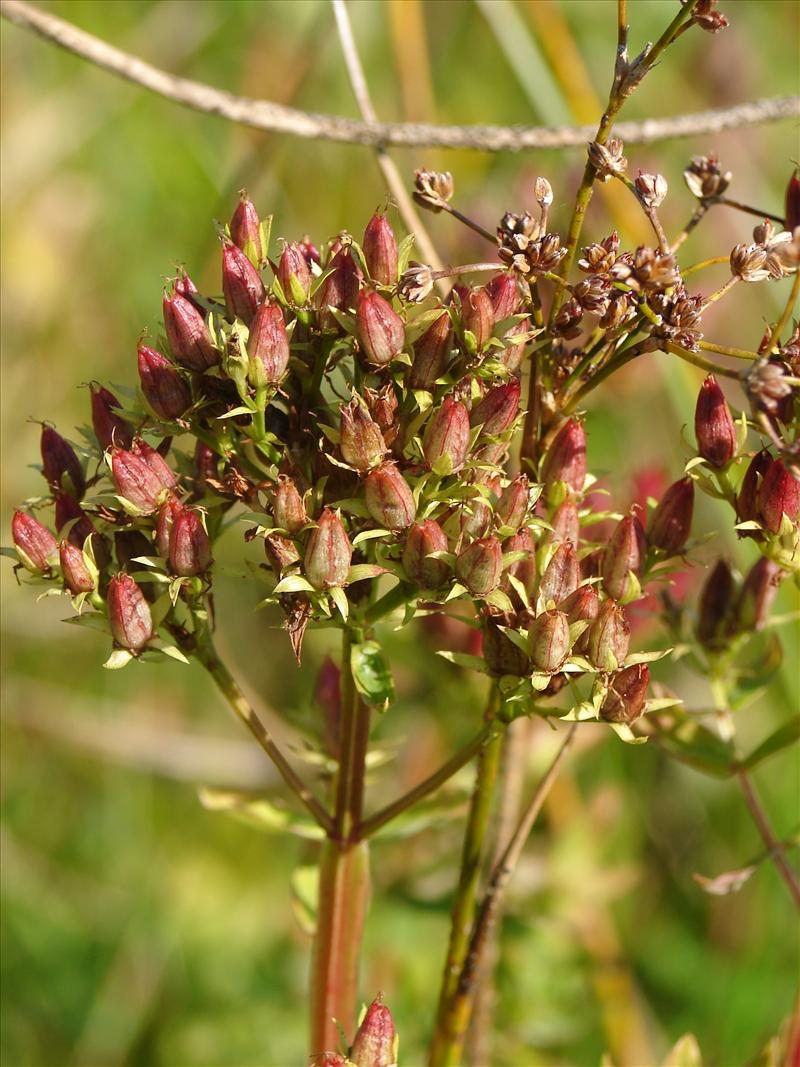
77	576
514	353
671	522
110	429
246	230
502	656
779	495
156	462
422	539
566	457
524	570
716	607
294	275
330	1059
328	552
623	553
70	514
548	641
380	250
626	695
747	500
167	514
163	388
184	286
189	545
281	552
136	480
340	289
380	329
566	523
479	565
309	250
431	353
498	409
447	435
187	331
503	292
792	220
268	345
241	285
205	467
713	425
477	316
36	547
582	606
476	515
360	439
608	637
389	498
60	464
375	1043
561	575
758	592
512	507
129	613
382	405
288	509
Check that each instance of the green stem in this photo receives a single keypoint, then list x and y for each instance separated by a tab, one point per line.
699	361
466	891
774	846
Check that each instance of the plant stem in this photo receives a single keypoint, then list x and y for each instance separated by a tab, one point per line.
697	217
467	221
344	880
226	683
466	268
774	846
702	264
774	337
699	361
466	891
748	210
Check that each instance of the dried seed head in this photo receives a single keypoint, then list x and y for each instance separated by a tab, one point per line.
388	497
433	188
651	189
600	258
36	547
681	317
328	552
748	262
591	294
421	540
129	613
543	192
768	387
647	269
281	552
705	178
713	425
706	16
608	159
416	283
567	323
626	695
380	329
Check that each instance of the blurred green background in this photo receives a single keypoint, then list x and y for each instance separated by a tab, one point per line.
138	928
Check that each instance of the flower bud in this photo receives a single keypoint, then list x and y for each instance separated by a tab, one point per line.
792	219
375	1043
713	425
380	250
543	192
447	435
189	545
380	329
288	509
671	522
779	495
294	275
512	507
110	429
479	565
747	499
163	388
566	523
281	552
715	607
626	695
524	570
241	285
167	514
328	552
623	553
77	576
502	656
246	230
496	411
758	592
477	316
340	289
561	575
422	539
431	354
503	292
651	189
608	637
389	498
60	464
268	345
566	457
360	439
184	286
548	638
36	547
129	613
136	480
187	331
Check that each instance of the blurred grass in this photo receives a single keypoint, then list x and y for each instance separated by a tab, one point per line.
139	929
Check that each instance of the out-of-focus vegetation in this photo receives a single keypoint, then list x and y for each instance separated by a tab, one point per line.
139	928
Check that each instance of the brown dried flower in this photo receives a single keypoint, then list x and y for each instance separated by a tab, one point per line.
608	159
433	188
416	283
705	179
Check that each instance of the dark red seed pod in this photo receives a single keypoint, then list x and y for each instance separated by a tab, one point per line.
187	332
380	250
671	522
328	552
380	329
162	386
431	353
562	574
624	552
156	462
779	495
205	467
167	514
184	286
129	613
294	275
36	547
340	289
480	564
502	656
421	540
512	507
747	500
716	607
310	251
627	693
496	411
565	460
582	606
375	1042
792	220
77	576
548	641
268	345
758	592
110	429
514	353
189	545
503	292
288	509
447	435
246	230
360	439
136	480
608	637
389	498
524	570
477	316
241	285
60	464
383	407
713	424
566	523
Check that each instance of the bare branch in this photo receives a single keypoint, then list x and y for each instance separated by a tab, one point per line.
265	115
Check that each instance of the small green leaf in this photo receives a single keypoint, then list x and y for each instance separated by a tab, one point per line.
684	1053
787	734
119	658
461	659
361	571
293	583
339	597
372	674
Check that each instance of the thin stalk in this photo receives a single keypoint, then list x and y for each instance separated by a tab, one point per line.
466	892
726	350
699	361
228	686
619	360
726	287
702	264
774	846
467	221
780	325
466	268
461	1005
458	760
748	210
